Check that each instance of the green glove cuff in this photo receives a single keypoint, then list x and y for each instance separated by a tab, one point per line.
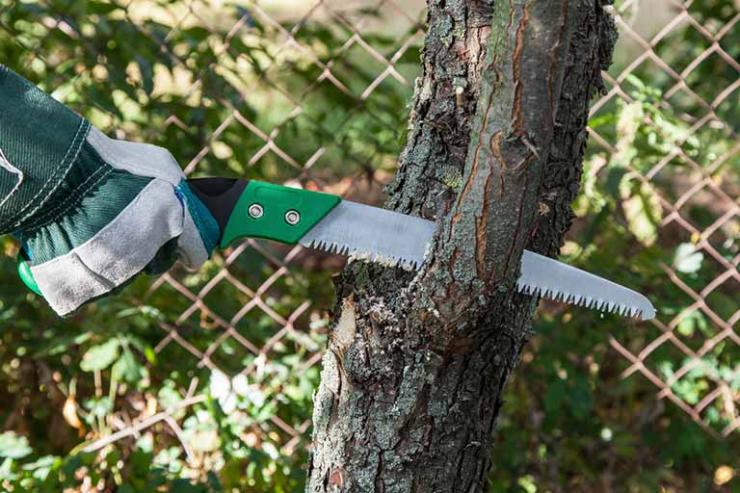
40	140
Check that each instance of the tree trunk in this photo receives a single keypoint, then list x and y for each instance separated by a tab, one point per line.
413	378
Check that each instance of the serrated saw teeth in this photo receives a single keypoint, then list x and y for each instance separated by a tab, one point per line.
355	254
377	235
575	299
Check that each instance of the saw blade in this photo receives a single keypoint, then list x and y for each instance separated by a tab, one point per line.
554	280
390	238
370	233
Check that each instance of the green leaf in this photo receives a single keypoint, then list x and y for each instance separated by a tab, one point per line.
147	73
127	368
42	467
687	259
614	179
528	483
168	396
101	356
642	210
99	407
691	322
13	446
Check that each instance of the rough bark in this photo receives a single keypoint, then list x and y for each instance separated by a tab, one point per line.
413	378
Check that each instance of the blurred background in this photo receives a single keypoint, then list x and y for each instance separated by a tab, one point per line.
203	382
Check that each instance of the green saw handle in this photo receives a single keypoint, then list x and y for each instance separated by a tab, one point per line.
274	212
24	271
246	209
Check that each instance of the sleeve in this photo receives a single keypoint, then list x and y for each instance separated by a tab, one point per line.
40	140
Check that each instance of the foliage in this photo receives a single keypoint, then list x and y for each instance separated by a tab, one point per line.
154	72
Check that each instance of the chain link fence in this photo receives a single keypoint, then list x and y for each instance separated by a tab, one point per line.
361	42
313	94
680	180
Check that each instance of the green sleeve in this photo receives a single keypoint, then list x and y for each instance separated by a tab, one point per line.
39	141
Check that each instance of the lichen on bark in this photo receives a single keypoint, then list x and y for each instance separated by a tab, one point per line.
409	396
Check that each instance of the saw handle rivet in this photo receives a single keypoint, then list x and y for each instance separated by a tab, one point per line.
292	217
256	211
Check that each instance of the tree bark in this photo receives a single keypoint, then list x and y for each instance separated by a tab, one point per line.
413	379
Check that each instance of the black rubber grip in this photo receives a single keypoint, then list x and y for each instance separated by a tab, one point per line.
220	195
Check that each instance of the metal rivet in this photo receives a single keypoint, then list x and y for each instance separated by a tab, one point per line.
292	217
256	211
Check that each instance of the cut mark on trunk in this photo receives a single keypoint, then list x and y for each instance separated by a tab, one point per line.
494	145
346	328
341	338
336	478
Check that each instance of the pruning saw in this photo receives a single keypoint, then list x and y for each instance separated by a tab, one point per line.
254	209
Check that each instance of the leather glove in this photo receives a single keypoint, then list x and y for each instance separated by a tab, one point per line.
90	212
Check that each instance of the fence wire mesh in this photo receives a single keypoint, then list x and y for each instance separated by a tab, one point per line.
704	106
263	77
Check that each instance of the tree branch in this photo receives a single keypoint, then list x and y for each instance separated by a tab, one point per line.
414	376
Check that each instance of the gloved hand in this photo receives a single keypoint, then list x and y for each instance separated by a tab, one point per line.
90	212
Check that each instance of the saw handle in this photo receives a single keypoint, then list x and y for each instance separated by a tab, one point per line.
275	212
24	272
246	209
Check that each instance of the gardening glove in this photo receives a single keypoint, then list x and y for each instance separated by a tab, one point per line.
90	212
